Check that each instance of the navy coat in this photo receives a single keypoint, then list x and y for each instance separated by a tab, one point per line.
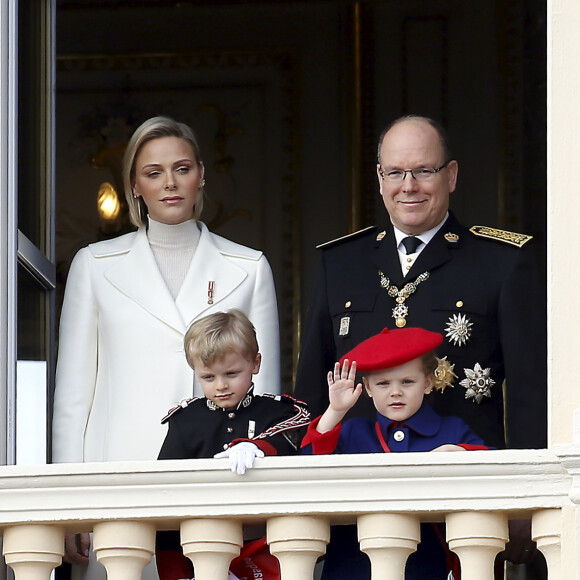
424	431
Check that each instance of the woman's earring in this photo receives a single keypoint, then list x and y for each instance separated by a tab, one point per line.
201	184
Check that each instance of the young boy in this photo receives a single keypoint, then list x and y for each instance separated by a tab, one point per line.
398	369
230	420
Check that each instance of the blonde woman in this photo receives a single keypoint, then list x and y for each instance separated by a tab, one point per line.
129	301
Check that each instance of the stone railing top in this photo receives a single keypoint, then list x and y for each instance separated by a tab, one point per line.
339	486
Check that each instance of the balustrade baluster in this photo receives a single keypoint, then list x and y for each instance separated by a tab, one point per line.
477	537
297	542
33	551
388	539
546	531
124	548
211	544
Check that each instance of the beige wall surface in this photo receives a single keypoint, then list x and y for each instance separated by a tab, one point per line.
563	216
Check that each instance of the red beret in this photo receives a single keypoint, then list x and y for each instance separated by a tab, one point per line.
392	348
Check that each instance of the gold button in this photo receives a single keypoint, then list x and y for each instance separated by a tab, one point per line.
231	415
348	304
398	435
230	429
459	303
409	260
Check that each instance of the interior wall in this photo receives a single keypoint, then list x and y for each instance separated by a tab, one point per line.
289	94
262	85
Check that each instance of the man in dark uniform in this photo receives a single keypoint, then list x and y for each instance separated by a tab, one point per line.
479	287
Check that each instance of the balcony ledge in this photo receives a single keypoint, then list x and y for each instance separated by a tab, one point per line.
339	486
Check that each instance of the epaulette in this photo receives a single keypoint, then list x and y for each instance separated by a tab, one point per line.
182	405
344	238
512	238
285	398
272	396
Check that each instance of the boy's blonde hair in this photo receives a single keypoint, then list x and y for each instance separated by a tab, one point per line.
217	335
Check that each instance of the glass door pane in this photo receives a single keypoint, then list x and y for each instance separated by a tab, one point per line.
36	276
35	56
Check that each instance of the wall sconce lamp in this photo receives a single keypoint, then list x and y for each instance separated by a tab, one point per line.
108	206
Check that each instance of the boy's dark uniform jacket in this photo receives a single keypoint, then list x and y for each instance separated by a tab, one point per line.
492	284
198	428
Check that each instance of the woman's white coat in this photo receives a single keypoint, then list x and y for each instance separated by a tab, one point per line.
121	362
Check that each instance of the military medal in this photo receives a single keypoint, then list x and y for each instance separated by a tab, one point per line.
401	310
210	290
477	383
344	326
459	329
444	374
400	313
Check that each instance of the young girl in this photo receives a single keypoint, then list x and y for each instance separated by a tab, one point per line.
398	371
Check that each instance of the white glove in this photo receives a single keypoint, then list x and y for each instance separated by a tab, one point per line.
241	456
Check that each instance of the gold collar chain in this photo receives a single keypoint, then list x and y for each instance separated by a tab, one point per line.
401	310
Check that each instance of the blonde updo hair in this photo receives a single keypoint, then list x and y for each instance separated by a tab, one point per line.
213	337
154	128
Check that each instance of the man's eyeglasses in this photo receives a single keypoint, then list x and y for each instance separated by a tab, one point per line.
420	173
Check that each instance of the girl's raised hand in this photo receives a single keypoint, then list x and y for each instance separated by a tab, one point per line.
342	392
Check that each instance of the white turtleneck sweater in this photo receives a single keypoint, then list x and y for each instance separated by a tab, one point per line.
173	247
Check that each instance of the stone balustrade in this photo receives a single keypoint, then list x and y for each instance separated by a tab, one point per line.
295	499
